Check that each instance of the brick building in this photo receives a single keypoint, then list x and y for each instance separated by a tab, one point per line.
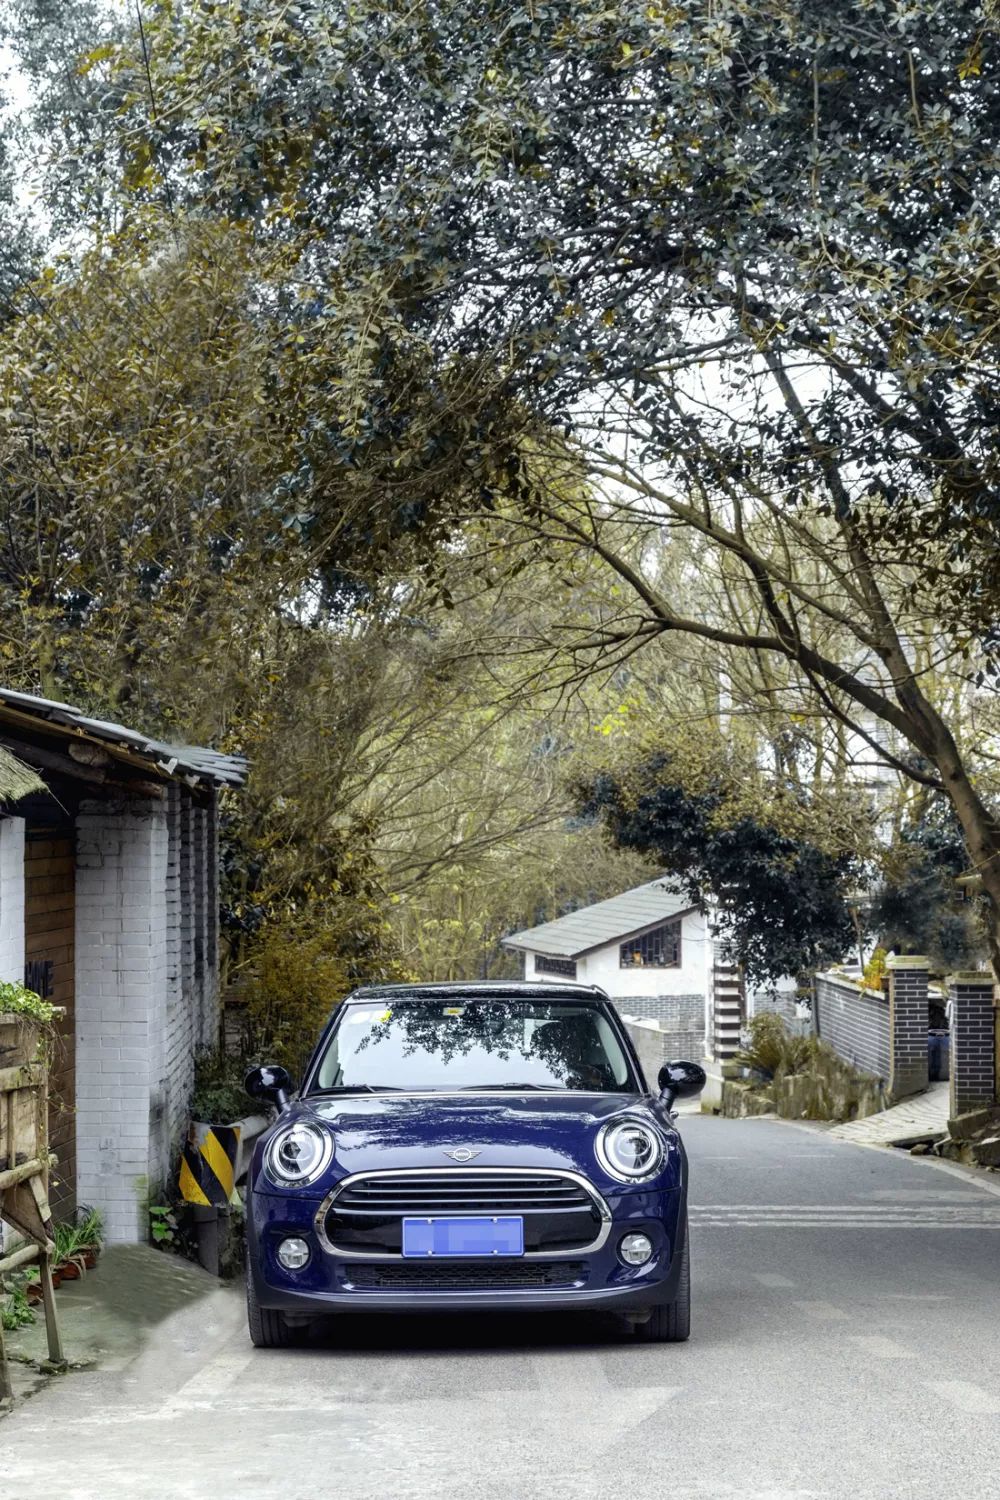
109	907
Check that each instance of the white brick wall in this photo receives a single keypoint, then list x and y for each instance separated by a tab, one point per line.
12	899
121	995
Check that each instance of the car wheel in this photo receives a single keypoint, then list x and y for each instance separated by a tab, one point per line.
670	1322
268	1327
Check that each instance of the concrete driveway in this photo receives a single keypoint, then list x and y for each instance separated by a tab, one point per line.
846	1308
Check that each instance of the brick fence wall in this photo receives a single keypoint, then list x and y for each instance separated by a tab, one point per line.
679	1022
855	1022
777	1002
656	1047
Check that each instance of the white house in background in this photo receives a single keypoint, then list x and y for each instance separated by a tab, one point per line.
649	949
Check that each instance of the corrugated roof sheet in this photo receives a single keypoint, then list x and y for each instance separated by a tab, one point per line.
604	922
187	762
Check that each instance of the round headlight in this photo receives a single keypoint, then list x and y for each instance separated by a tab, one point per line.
298	1154
630	1150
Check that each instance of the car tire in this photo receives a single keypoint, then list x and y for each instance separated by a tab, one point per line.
670	1322
268	1327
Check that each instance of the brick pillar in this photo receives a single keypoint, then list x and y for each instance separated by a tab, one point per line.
907	1026
973	1065
186	906
121	1010
727	1003
203	990
179	1041
12	899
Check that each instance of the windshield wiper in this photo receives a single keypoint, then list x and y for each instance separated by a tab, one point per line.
507	1088
357	1088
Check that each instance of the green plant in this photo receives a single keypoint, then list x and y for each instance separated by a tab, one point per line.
163	1226
771	1050
219	1096
71	1240
875	970
300	973
91	1227
14	1309
17	1000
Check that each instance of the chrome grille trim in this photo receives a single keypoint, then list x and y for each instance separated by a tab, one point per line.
456	1174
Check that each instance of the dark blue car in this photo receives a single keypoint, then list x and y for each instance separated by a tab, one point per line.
460	1146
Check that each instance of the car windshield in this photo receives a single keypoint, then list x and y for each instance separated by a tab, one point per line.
453	1044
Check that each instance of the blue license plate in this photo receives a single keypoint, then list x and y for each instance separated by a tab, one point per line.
425	1237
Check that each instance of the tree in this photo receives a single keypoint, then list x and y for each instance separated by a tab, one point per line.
746	254
782	896
918	904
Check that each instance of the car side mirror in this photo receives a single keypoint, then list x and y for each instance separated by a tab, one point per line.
271	1083
680	1080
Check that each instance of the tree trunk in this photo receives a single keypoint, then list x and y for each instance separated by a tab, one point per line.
982	839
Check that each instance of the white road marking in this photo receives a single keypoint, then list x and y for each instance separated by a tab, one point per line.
212	1381
845	1215
586	1371
966	1397
880	1348
911	1210
779	1283
824	1311
919	1297
828	1224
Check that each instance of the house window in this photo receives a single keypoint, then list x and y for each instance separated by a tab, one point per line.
659	949
564	967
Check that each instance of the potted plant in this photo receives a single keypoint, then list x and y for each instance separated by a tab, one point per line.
77	1245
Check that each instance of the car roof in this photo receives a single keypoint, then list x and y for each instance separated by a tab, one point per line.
513	989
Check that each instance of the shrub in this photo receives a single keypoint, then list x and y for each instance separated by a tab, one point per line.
771	1049
805	1078
219	1097
875	970
15	1310
16	1000
298	977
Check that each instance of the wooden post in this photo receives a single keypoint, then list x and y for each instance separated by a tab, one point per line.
6	1389
56	1356
24	1174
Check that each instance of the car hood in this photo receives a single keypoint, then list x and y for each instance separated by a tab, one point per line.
385	1132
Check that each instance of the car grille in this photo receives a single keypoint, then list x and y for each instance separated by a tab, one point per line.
467	1276
367	1213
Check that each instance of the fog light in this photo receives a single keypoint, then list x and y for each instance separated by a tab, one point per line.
635	1249
294	1253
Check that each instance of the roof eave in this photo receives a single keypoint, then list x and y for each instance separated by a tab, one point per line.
519	940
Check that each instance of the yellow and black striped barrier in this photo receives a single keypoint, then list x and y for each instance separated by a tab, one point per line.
208	1165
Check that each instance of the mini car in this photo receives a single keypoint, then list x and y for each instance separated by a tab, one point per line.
470	1146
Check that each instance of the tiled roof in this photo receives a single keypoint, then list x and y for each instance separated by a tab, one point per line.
604	922
191	763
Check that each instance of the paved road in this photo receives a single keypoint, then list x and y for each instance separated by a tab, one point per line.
847	1313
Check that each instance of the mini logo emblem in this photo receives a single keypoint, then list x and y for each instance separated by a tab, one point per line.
463	1154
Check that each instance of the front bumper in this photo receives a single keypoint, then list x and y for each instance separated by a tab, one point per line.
329	1283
